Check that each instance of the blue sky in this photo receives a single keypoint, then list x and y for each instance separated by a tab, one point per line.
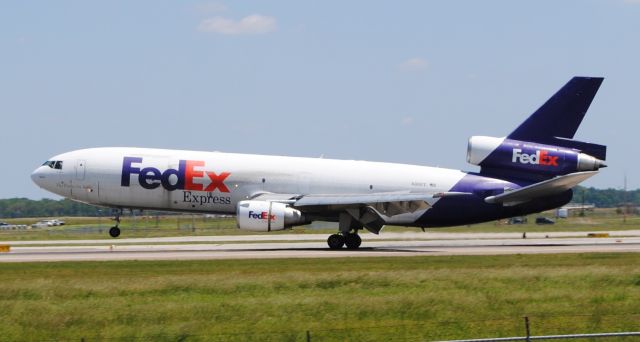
392	81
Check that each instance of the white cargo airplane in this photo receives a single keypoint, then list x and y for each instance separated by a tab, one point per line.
531	170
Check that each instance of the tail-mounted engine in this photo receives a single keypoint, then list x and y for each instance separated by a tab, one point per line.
264	216
500	153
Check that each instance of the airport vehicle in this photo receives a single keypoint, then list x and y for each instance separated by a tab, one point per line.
3	224
544	220
50	223
7	226
517	220
41	224
530	170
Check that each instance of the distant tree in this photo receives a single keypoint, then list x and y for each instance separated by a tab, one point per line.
24	207
605	198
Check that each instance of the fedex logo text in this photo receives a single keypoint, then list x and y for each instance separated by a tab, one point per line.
188	176
262	216
541	157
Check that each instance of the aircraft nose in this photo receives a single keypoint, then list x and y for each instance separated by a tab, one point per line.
38	177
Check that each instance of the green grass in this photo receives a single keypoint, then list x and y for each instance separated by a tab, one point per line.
370	299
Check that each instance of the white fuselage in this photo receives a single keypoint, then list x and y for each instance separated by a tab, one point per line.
214	182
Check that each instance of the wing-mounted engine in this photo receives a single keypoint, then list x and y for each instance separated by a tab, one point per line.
494	154
265	216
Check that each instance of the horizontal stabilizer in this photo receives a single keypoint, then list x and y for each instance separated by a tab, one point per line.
543	189
594	150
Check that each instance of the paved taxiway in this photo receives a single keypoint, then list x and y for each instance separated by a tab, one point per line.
314	246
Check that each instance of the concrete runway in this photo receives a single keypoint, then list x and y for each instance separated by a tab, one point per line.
314	246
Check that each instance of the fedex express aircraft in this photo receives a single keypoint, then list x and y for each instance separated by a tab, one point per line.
530	170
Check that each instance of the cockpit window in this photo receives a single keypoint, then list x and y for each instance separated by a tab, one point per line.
54	164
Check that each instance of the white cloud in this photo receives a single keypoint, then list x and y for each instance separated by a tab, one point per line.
414	64
252	24
407	120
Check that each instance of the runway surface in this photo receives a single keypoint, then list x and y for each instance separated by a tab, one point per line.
314	246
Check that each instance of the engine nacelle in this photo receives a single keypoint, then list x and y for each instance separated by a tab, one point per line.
502	153
265	216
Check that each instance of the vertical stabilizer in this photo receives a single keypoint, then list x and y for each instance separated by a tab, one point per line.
542	146
562	114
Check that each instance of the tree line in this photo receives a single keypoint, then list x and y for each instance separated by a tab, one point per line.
24	207
606	198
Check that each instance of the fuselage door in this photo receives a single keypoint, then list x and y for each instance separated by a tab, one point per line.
80	169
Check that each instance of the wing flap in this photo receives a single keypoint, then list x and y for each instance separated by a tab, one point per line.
546	188
360	199
380	197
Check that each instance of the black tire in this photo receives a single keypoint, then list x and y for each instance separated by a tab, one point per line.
353	241
335	241
114	232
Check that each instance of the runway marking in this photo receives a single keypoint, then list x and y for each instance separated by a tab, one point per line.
385	236
307	249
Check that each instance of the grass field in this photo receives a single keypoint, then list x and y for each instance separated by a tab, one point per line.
193	225
375	299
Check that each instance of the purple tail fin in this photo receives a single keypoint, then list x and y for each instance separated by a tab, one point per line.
556	122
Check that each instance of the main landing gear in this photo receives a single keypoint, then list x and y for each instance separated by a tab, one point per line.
348	235
115	231
351	240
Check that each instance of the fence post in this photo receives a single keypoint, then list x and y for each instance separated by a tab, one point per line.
308	336
526	325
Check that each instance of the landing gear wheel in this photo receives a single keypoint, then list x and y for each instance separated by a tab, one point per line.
335	241
353	241
114	232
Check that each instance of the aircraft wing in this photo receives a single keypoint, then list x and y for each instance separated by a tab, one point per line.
546	188
385	203
354	199
373	210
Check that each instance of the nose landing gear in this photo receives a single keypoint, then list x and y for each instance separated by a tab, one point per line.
115	231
